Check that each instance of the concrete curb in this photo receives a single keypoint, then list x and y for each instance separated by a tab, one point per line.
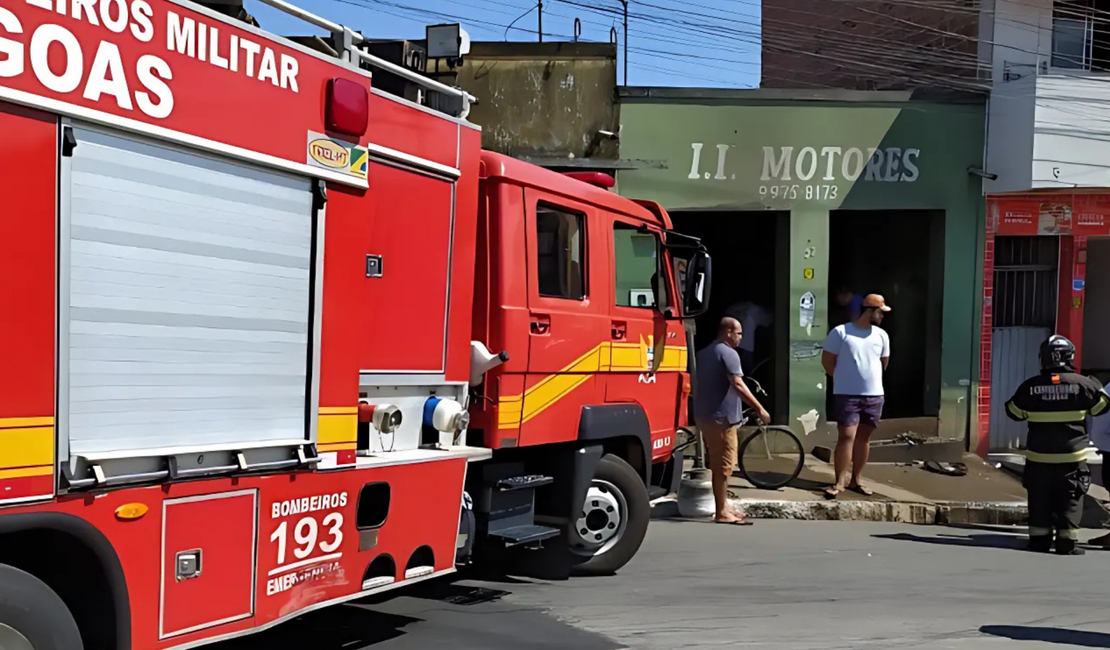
833	510
1015	513
945	513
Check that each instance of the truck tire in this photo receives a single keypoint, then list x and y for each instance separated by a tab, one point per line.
613	521
32	616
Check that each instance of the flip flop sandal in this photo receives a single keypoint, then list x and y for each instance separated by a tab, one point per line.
741	522
831	493
859	489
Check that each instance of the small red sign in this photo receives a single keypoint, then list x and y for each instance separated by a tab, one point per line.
1092	216
1018	217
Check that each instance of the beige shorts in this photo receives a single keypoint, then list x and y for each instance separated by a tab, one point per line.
721	443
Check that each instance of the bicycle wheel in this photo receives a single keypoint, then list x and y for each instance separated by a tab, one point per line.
771	457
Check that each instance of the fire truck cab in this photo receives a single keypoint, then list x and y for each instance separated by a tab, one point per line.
595	385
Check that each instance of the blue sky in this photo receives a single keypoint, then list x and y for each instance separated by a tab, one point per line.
711	43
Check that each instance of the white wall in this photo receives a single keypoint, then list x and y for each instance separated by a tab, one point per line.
1096	309
1022	36
1071	145
1046	128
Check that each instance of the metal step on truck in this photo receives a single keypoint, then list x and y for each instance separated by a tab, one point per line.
276	339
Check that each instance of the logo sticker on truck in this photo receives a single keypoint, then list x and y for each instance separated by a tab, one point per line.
328	153
336	155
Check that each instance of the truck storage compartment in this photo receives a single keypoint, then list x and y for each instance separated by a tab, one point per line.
184	300
404	313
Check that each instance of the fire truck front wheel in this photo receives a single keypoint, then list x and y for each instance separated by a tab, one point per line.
613	521
32	616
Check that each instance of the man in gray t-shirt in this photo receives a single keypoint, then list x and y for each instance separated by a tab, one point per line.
717	410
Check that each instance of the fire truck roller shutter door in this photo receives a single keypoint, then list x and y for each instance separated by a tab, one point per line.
187	319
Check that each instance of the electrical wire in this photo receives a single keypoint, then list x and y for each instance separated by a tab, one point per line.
861	56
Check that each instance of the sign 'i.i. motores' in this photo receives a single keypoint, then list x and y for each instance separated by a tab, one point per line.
165	65
811	173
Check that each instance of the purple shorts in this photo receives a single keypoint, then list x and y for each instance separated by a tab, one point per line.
849	410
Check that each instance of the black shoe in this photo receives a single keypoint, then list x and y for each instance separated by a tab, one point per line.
1068	547
1040	544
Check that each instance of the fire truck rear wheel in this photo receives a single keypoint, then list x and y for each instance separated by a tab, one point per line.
613	521
32	616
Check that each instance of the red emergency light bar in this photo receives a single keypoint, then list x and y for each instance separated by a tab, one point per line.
598	179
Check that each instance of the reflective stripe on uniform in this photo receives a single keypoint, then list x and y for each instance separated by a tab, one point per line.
1060	417
1101	404
1035	531
1067	533
1056	459
1015	411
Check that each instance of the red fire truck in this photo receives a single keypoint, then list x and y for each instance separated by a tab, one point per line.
274	339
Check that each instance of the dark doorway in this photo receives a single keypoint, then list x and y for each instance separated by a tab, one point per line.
745	247
899	254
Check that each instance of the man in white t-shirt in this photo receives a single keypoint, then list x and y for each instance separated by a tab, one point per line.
855	356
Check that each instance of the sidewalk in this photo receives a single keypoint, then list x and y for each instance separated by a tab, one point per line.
902	493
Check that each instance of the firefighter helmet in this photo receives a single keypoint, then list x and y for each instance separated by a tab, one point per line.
1057	352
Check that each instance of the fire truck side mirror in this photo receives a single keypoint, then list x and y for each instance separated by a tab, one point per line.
695	289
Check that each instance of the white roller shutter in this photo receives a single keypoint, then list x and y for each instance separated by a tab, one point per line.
188	295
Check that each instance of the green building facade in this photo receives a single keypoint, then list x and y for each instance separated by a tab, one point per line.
873	187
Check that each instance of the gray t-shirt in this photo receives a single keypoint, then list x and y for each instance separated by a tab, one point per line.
716	400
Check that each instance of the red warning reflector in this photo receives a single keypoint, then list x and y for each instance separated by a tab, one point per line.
347	109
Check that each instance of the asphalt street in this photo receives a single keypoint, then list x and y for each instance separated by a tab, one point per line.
778	584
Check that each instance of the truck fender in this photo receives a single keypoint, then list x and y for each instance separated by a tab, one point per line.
585	464
609	421
95	541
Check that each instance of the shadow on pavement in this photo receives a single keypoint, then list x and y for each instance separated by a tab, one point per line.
1012	542
334	627
1049	635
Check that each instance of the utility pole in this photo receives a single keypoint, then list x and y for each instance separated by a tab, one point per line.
625	3
540	14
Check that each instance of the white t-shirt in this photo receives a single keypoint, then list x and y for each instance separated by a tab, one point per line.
859	352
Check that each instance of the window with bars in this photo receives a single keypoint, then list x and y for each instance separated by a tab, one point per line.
1025	281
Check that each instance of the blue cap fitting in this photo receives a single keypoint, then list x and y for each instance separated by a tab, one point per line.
429	410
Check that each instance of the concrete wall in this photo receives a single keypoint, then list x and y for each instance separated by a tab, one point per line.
544	100
1022	35
1010	119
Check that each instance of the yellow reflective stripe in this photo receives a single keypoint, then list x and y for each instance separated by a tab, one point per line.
1056	416
1035	531
1056	459
1017	413
1067	533
1101	404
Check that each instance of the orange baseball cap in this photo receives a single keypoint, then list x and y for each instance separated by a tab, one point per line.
875	301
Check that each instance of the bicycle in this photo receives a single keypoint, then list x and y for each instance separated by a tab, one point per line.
770	457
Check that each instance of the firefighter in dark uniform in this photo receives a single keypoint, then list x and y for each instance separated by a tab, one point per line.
1056	403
